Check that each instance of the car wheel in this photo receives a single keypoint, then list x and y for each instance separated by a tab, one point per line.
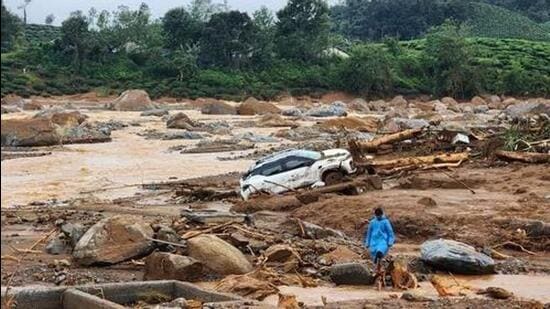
332	177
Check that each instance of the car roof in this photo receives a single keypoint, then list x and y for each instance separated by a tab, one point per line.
315	155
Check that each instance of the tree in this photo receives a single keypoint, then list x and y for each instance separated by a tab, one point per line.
23	7
180	29
264	46
74	37
227	40
302	29
185	62
49	19
367	71
448	62
202	10
11	25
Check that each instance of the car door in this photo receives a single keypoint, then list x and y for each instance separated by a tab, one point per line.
298	170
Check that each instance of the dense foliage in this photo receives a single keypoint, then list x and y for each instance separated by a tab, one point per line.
208	50
11	26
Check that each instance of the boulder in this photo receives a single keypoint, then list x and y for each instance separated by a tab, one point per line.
378	106
439	106
62	118
404	123
113	240
340	255
449	101
293	112
254	107
10	109
351	273
218	108
509	101
456	257
481	109
157	112
132	100
527	109
218	255
256	138
359	105
167	266
336	109
29	132
181	121
56	246
399	101
13	99
182	135
30	106
494	102
367	124
73	231
274	120
497	293
477	100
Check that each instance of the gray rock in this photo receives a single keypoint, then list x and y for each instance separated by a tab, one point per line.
73	231
56	246
351	273
481	109
218	255
456	257
182	135
256	138
218	127
293	111
113	240
167	266
335	109
10	109
155	112
526	109
405	123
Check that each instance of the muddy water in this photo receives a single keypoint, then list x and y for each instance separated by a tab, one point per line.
129	159
526	286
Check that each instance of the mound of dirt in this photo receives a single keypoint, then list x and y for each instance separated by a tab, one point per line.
254	107
368	124
275	120
132	100
218	108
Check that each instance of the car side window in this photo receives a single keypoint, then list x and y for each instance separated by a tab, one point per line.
296	162
272	170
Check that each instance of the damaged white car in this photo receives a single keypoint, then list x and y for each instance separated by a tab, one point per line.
295	168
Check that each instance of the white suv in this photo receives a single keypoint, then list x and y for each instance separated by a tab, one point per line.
295	168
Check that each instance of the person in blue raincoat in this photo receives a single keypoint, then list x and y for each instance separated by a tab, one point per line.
379	237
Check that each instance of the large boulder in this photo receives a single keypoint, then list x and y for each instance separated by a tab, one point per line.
218	108
218	255
335	109
113	240
478	101
449	101
398	101
275	120
132	100
359	105
351	273
456	257
13	99
62	118
527	109
29	132
168	266
254	107
181	121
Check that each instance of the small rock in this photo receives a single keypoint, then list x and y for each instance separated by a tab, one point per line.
449	101
497	293
73	231
293	111
414	296
280	253
337	109
167	266
182	135
56	246
427	201
481	109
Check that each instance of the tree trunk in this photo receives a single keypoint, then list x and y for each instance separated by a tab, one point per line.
419	161
527	157
371	146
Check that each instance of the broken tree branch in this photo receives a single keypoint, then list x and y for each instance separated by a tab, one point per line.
371	146
459	181
527	157
422	160
192	234
515	246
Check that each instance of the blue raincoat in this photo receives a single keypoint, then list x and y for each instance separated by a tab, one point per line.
379	236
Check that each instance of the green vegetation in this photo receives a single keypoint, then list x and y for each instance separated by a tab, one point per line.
492	21
208	50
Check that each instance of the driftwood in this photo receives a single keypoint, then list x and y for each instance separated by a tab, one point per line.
192	234
371	146
420	161
527	157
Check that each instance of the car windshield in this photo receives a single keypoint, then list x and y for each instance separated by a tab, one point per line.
291	160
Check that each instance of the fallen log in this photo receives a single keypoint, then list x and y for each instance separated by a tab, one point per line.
420	161
527	157
371	146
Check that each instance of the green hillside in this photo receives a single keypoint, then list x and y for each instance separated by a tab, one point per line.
35	34
491	21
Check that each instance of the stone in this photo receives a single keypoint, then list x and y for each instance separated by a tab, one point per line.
157	112
399	101
168	234
56	246
427	202
477	100
13	99
275	120
256	138
498	293
132	100
359	105
494	102
439	106
181	121
29	132
456	257
212	217
527	109
61	117
218	255
405	123
113	240
168	266
73	231
31	106
481	109
351	273
280	253
449	101
182	135
336	109
378	105
415	296
254	107
293	111
214	107
10	109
